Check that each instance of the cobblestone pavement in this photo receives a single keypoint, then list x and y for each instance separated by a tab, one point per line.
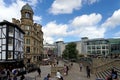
34	75
74	73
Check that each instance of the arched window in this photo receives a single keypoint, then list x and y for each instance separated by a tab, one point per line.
27	15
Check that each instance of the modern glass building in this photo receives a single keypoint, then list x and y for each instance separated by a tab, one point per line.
93	47
98	46
114	46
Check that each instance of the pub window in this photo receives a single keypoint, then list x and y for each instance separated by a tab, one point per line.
28	49
10	55
11	29
10	41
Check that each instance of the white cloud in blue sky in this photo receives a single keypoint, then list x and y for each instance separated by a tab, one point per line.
113	21
65	6
9	11
69	20
85	25
68	6
90	1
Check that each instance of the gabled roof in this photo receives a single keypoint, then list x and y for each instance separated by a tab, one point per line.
14	25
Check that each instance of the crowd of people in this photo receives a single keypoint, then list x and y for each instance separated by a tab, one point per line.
14	73
7	74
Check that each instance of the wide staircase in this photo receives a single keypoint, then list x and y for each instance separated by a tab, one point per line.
102	67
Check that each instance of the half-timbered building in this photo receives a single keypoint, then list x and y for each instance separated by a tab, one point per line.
11	45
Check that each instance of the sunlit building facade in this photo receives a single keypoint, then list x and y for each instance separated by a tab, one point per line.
33	38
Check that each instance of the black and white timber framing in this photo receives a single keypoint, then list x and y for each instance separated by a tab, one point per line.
11	42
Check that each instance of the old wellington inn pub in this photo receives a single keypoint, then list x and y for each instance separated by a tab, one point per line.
11	45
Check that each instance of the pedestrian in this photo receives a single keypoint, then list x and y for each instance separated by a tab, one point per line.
22	77
39	71
81	65
88	71
47	77
57	62
8	74
59	76
114	74
67	70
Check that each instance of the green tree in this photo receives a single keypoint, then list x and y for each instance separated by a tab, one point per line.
70	51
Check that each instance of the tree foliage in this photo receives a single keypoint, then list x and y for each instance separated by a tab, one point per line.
70	51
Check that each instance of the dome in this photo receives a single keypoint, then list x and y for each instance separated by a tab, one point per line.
27	7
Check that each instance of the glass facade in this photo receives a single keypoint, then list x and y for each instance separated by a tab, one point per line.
114	46
97	47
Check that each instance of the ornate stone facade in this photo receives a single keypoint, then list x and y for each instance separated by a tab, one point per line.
33	38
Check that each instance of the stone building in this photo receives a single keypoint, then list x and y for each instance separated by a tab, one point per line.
33	38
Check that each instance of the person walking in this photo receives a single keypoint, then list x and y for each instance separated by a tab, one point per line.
81	65
47	77
59	76
67	69
8	73
39	71
88	71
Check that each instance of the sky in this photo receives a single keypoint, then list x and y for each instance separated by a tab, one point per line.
69	20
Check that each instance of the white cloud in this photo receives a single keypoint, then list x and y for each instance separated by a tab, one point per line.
2	3
13	10
83	26
53	31
48	39
87	20
65	6
90	1
60	39
87	26
68	6
37	19
117	34
113	21
80	26
32	2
